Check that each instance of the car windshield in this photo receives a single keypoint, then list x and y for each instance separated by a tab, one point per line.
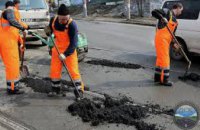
27	4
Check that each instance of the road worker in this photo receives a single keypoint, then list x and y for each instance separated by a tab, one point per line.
163	39
18	18
66	38
9	48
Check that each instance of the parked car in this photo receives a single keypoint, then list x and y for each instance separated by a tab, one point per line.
33	12
188	32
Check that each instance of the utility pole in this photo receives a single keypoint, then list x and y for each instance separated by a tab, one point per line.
128	6
85	8
58	3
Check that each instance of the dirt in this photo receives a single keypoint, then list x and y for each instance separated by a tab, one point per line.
110	63
120	111
43	85
192	76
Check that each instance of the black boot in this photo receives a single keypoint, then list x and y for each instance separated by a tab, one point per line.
55	90
157	78
16	90
167	83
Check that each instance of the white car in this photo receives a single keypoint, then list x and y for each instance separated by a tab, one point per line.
188	32
33	12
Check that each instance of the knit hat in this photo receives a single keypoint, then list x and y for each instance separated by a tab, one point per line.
63	10
9	3
16	1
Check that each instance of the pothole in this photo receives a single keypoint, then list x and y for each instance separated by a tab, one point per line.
192	76
109	63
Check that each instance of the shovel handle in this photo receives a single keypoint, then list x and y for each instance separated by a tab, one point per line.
22	50
182	51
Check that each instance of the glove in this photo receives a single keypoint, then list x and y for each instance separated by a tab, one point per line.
164	20
22	47
62	57
177	47
25	32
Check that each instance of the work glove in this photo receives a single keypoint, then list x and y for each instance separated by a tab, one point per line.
22	47
62	57
177	47
25	32
165	21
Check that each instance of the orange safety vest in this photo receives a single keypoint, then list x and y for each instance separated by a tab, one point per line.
162	43
5	26
61	37
164	31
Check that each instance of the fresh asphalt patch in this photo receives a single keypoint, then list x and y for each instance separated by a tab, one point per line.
110	63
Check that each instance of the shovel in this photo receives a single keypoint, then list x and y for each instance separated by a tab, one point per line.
24	72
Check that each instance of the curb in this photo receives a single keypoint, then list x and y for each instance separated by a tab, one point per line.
118	21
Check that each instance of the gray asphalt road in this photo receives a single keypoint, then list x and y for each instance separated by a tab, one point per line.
112	41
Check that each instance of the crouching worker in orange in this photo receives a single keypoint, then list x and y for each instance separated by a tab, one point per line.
66	37
163	39
9	48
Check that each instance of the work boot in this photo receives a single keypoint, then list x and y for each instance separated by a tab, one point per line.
16	89
167	83
56	89
14	92
157	78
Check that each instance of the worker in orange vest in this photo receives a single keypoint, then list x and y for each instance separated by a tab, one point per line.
18	18
9	48
163	39
66	38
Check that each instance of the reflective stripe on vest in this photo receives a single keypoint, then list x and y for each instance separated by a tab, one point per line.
5	24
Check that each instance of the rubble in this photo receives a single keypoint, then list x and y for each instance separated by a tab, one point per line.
120	111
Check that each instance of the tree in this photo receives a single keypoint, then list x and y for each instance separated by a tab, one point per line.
140	4
140	7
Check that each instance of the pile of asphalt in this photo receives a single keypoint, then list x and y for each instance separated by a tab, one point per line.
110	63
43	85
120	111
192	76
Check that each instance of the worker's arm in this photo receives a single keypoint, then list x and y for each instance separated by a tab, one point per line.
10	16
18	18
159	13
73	35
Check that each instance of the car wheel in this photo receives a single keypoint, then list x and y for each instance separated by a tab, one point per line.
177	55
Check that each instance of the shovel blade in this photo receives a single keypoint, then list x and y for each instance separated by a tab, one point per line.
24	72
